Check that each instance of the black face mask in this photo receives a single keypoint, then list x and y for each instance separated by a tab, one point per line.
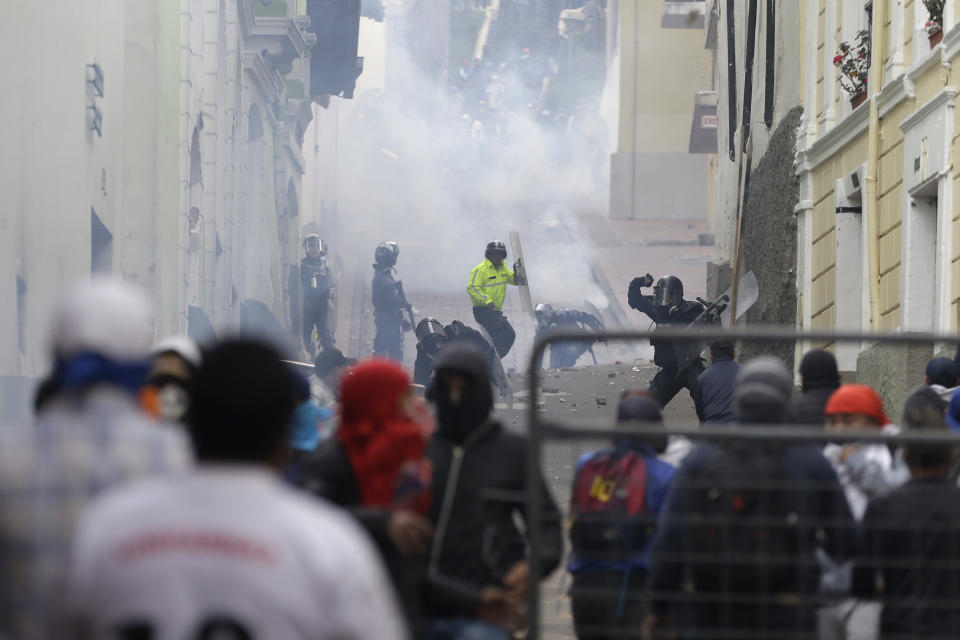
460	414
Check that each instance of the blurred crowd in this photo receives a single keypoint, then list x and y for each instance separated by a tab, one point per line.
169	491
172	492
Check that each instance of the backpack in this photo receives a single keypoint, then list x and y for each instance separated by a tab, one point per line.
745	523
608	505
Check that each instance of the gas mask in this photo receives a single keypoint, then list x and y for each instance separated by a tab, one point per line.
170	398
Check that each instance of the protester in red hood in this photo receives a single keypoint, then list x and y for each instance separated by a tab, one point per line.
376	469
378	429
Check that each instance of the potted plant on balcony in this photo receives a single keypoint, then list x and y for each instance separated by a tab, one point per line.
934	25
853	61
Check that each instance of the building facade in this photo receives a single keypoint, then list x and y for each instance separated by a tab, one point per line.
759	84
159	141
876	235
656	67
844	206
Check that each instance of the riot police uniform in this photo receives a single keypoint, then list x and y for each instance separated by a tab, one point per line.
317	288
433	339
389	303
667	308
487	288
565	354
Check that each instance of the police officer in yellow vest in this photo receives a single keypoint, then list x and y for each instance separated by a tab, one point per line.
487	289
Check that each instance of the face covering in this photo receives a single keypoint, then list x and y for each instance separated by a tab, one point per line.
173	402
461	412
168	398
306	424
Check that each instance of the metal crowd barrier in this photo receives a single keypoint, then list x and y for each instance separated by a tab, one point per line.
542	429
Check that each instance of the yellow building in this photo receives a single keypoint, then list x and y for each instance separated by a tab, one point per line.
878	244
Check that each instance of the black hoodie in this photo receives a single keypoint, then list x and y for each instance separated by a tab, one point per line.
479	479
820	379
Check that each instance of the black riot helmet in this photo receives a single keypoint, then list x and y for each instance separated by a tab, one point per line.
428	327
668	292
386	255
314	242
496	248
543	311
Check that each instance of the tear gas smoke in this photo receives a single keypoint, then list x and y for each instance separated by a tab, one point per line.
443	173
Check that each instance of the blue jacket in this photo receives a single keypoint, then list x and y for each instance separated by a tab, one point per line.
713	395
659	476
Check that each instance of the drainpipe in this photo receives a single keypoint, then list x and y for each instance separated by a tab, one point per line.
873	159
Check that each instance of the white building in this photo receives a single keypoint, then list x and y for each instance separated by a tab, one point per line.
158	140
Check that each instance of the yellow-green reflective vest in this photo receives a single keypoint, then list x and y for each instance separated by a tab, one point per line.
489	284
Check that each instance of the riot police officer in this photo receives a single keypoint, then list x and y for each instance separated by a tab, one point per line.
565	354
433	338
667	308
389	303
317	286
487	289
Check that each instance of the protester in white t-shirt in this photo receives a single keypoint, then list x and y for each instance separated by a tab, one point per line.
227	550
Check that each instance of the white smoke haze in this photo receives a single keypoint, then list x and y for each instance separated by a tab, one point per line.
414	174
442	177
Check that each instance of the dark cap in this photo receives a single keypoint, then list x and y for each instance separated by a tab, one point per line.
636	407
642	408
330	359
762	391
819	370
942	371
924	409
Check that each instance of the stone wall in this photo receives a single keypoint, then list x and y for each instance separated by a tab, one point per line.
768	242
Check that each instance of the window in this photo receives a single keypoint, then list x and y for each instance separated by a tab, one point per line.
101	245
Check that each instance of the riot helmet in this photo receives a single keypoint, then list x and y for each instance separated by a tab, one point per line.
313	245
428	327
543	311
668	292
496	249
386	255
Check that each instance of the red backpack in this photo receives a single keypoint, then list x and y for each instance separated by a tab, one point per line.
608	504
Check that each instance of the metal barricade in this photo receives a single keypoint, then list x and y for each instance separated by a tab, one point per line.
543	430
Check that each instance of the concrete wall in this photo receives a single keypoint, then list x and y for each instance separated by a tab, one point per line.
788	93
53	168
175	72
768	241
652	175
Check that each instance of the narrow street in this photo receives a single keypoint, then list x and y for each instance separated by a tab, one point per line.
587	394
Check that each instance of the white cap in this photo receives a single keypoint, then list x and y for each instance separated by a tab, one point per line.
104	316
185	347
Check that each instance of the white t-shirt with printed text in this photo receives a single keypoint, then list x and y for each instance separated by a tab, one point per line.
227	553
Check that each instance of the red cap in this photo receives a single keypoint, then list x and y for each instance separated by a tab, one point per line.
857	398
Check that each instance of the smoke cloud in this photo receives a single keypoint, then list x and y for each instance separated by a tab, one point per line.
442	170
